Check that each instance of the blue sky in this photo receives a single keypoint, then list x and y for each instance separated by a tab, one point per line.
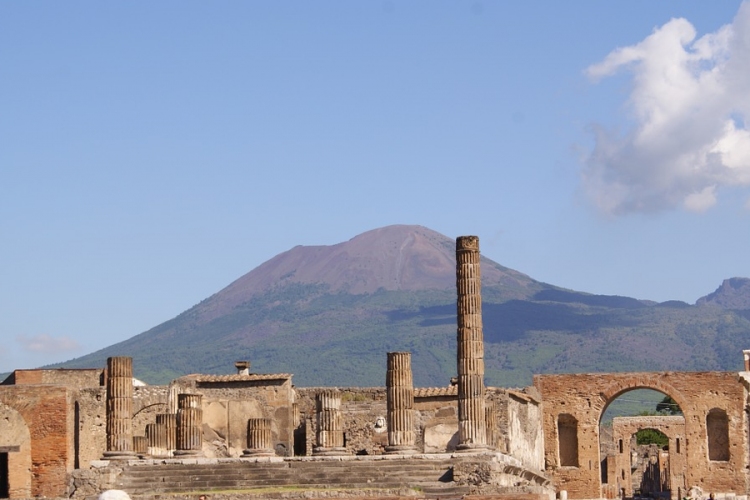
153	152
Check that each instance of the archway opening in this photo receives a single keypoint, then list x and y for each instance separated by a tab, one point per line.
638	431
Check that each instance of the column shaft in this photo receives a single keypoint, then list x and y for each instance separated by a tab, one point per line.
189	425
400	404
259	440
119	408
472	430
330	433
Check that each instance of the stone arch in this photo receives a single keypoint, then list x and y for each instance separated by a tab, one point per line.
620	386
15	440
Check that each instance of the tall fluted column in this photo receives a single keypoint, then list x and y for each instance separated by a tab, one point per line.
472	432
259	442
119	408
169	421
189	425
400	404
330	434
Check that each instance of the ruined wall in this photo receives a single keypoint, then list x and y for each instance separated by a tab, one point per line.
364	418
44	411
578	401
74	378
91	410
525	436
148	401
623	431
230	400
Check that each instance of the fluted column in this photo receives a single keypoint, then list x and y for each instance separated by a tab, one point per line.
169	421
400	404
189	425
472	432
330	433
156	434
259	441
140	446
119	408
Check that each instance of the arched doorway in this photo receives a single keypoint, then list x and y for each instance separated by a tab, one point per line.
641	442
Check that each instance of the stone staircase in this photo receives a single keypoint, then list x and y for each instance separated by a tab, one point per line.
432	476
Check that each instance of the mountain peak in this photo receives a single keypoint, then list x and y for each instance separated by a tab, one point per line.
390	258
734	293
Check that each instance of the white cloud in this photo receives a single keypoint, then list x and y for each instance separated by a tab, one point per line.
47	344
689	119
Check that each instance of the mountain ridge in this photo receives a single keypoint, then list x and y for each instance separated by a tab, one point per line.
329	314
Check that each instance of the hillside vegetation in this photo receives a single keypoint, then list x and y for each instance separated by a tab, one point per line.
393	289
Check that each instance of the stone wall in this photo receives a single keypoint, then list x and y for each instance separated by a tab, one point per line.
73	378
90	407
230	400
623	431
524	431
436	420
578	401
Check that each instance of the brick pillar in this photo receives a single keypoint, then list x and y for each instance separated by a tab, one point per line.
746	355
169	421
330	433
119	408
189	426
472	431
157	440
400	404
259	441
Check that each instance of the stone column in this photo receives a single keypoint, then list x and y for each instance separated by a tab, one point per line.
259	441
140	446
157	440
189	426
472	432
746	355
119	408
169	421
400	404
330	433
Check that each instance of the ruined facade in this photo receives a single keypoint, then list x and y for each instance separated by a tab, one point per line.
709	444
57	426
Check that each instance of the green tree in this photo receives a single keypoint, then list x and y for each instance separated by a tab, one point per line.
668	406
652	436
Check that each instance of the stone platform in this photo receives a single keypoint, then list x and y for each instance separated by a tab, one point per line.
348	476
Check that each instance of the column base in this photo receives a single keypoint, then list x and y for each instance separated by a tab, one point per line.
471	447
267	452
187	453
319	451
119	455
400	449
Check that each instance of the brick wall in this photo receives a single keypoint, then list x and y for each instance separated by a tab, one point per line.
45	412
585	397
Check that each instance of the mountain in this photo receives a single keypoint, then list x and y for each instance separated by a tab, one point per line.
329	314
734	293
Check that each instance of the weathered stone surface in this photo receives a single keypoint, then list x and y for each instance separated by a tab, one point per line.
574	404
